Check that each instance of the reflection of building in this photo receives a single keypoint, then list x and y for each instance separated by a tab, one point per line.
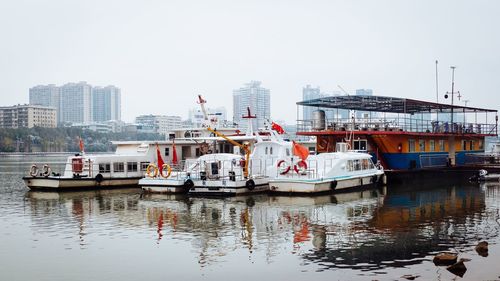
27	116
252	96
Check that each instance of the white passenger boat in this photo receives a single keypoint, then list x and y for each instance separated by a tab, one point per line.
123	168
326	172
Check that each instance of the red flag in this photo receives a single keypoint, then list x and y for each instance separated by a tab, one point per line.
174	155
300	150
160	160
81	145
277	128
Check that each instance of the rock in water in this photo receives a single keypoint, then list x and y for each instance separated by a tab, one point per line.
458	269
482	248
445	259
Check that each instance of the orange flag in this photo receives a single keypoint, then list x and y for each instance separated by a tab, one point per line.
160	160
300	150
81	145
174	155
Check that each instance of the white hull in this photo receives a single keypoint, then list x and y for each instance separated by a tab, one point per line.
228	188
311	186
62	183
160	185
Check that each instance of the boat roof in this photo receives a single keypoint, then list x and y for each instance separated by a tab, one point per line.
387	104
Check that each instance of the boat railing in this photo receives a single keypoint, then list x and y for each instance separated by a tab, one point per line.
224	169
314	169
401	124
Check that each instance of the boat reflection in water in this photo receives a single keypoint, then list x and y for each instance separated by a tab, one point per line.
367	230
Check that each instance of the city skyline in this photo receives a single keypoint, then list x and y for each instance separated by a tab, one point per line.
353	44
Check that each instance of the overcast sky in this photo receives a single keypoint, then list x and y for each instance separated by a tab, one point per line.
163	53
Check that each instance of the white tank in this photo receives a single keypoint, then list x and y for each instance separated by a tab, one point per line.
319	120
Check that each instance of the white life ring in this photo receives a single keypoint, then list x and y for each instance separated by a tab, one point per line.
33	170
46	170
301	167
283	169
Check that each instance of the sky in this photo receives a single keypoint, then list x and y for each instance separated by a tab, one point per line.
163	53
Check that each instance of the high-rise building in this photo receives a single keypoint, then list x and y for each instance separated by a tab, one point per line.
197	119
162	124
27	116
310	93
106	103
252	96
76	103
46	95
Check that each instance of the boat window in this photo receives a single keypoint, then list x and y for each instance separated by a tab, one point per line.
421	145
471	145
371	166
288	152
349	166
359	145
266	149
481	147
167	151
118	167
197	152
144	166
104	168
432	145
441	145
271	150
411	145
357	165
364	164
132	166
464	145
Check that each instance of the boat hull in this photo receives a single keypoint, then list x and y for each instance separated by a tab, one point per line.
228	188
159	185
305	186
61	183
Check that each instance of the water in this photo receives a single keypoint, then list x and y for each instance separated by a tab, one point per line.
378	234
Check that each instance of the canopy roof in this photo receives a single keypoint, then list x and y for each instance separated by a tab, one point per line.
387	104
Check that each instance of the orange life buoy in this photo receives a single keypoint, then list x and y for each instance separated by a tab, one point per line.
283	170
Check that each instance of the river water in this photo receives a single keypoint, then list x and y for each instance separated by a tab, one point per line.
378	234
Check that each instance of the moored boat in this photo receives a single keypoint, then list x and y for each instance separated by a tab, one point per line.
327	172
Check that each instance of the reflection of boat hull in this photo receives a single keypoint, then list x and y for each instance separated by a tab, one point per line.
229	188
61	183
159	185
313	186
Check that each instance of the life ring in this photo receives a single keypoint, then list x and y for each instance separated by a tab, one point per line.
282	170
242	162
152	170
301	167
163	168
46	170
33	170
250	184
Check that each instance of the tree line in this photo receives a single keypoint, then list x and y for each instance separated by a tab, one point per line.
65	139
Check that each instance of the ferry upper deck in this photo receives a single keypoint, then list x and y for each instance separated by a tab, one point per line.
401	133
